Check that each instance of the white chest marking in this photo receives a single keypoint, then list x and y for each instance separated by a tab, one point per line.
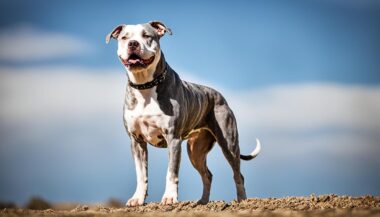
146	120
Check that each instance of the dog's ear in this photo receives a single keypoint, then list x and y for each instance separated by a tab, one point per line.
160	28
115	33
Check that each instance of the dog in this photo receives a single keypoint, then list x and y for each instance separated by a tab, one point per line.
163	110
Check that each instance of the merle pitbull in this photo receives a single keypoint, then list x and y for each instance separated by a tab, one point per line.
163	110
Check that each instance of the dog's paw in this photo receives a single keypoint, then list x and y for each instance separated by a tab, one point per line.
135	202
202	201
169	200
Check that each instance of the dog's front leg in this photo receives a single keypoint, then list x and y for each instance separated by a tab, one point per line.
171	189
140	155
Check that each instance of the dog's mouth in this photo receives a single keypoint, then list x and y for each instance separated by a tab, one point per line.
135	60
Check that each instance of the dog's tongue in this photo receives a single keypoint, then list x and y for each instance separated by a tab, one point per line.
134	61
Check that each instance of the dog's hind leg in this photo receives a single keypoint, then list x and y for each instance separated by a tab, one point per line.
223	125
197	148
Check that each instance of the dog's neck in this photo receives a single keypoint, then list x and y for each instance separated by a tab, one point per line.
148	75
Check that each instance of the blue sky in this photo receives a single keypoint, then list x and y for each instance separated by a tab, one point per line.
303	76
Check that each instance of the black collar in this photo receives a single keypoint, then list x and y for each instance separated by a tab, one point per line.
157	80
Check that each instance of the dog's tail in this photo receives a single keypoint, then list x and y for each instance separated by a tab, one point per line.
254	152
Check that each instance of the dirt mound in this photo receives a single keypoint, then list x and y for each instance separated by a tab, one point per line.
293	203
324	205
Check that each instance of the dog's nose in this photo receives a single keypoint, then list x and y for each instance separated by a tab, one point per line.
133	45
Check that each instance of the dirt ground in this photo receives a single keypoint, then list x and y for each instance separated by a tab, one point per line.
324	205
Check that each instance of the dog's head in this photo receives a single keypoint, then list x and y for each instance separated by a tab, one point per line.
138	45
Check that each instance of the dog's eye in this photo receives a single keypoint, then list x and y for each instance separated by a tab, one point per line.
124	38
144	35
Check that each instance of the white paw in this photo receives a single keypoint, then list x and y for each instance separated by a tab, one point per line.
169	198
135	201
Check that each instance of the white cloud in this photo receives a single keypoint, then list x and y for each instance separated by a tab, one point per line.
68	92
60	93
308	106
26	43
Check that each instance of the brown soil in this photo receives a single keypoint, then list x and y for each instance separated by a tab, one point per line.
325	205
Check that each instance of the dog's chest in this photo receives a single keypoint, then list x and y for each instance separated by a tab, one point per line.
145	120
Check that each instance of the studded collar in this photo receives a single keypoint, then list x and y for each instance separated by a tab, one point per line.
157	80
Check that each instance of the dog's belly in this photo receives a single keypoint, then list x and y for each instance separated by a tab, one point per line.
147	123
148	129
